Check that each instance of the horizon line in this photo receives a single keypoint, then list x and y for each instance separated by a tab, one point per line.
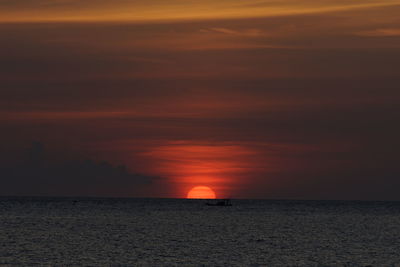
197	199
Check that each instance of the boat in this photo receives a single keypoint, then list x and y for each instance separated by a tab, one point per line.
220	202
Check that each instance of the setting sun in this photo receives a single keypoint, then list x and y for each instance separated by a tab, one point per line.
203	192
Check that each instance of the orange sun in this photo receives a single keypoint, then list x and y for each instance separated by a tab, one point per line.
201	192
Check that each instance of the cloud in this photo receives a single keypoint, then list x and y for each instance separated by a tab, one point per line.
242	32
36	174
139	10
380	32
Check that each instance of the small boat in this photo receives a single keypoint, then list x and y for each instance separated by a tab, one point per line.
220	202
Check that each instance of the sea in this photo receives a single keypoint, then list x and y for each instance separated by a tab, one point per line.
181	232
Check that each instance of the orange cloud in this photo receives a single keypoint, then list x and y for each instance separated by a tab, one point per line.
101	10
242	32
380	33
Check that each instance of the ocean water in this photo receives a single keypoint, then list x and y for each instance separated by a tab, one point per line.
177	232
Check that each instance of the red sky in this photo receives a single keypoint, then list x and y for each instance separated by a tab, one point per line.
255	99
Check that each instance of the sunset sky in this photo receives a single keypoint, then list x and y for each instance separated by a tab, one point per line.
281	99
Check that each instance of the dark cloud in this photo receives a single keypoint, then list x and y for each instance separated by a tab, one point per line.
38	174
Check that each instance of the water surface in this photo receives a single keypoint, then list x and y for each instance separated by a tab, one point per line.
154	232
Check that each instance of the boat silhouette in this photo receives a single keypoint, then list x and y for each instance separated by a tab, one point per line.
219	202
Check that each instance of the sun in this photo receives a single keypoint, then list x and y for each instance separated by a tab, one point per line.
203	192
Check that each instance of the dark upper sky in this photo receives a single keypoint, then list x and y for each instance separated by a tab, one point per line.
255	99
